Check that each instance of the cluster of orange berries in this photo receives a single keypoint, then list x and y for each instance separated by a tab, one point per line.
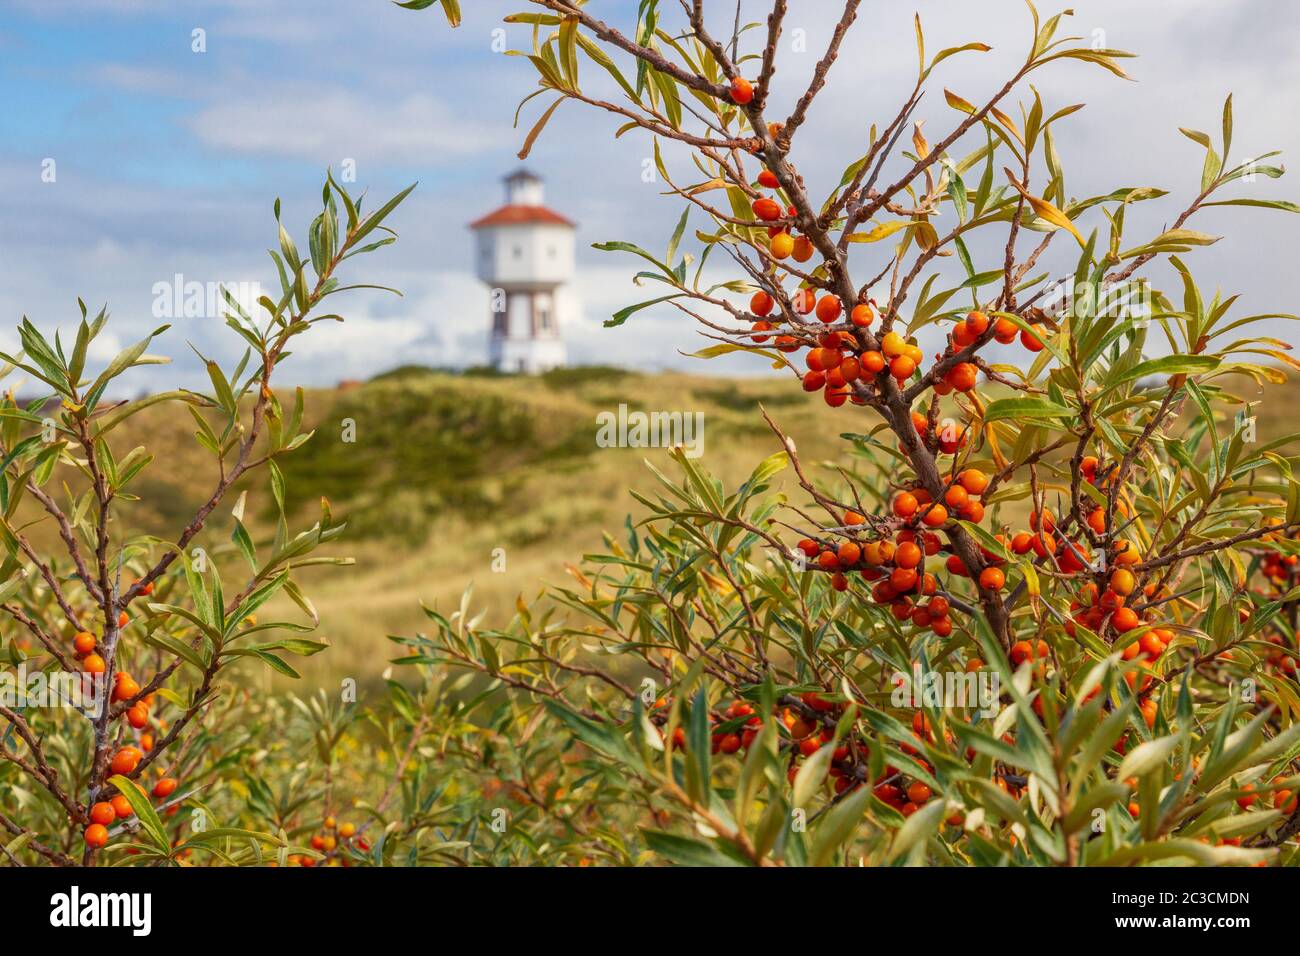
1280	570
124	689
84	644
809	727
127	758
335	834
106	812
896	566
1283	799
728	742
976	326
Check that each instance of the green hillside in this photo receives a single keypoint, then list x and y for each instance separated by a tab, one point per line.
444	468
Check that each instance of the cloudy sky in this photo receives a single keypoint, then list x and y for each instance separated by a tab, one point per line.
166	161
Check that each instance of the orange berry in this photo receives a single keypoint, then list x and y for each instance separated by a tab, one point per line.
829	561
124	687
1150	710
822	359
1043	544
803	301
973	480
908	555
872	362
781	246
903	579
935	516
768	178
102	813
1004	331
1151	644
956	497
1097	520
138	716
83	643
1122	582
902	367
962	376
893	345
93	664
814	381
993	579
918	792
762	303
122	807
1031	340
742	91
977	323
1124	619
96	836
836	396
862	315
1126	553
803	249
905	504
829	308
126	760
122	619
849	554
1022	542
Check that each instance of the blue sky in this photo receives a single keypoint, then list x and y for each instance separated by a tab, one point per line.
168	160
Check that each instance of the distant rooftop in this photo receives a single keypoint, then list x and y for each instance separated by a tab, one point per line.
525	204
517	215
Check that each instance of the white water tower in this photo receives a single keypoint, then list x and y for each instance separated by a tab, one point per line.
526	256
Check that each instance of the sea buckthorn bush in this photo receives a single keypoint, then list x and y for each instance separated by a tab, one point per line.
126	736
1055	497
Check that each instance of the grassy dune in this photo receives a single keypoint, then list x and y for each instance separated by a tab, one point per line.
445	468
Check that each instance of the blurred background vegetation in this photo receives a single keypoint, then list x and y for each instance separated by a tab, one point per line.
446	467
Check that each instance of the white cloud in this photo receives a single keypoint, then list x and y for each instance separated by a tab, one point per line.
321	126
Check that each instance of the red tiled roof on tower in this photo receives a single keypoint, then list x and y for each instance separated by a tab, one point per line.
516	215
